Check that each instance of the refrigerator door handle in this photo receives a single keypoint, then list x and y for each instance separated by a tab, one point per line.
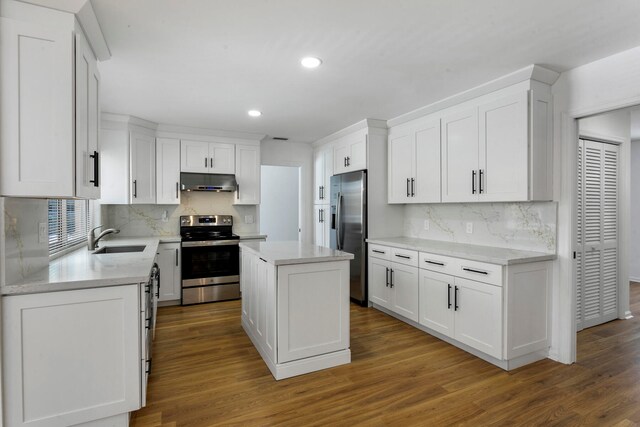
339	243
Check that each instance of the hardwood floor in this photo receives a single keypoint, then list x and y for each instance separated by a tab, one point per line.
206	372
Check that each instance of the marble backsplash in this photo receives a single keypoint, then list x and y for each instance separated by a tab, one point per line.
163	220
525	226
23	253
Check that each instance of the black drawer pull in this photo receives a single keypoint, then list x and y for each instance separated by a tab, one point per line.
475	271
378	252
441	264
455	299
262	259
448	296
403	256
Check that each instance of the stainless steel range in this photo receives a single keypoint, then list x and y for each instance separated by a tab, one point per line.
210	259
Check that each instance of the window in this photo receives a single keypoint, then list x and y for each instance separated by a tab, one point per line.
68	224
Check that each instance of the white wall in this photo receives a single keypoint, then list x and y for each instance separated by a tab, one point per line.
279	202
604	85
287	153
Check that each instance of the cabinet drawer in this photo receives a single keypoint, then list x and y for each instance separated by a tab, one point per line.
439	263
404	256
479	271
382	252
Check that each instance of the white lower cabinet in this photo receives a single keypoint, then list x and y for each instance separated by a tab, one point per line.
394	286
169	263
71	357
500	313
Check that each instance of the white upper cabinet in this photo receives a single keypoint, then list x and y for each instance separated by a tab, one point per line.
49	109
323	170
414	163
207	157
350	153
247	175
167	171
143	169
321	229
87	121
36	111
460	156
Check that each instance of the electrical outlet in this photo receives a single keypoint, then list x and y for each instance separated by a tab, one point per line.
426	224
248	219
43	232
469	227
165	216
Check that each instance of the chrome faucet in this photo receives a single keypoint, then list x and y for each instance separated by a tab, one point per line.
92	240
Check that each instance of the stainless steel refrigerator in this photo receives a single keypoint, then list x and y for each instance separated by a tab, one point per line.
349	226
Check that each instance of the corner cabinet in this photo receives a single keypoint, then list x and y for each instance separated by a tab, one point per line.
207	157
499	313
49	111
71	357
247	175
167	171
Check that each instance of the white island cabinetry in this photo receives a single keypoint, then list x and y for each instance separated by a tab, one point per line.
295	305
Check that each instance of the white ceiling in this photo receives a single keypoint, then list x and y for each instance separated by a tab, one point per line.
204	63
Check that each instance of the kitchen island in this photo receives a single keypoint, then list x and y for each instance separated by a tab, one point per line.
295	305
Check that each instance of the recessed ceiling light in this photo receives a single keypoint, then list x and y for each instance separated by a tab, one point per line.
310	62
254	113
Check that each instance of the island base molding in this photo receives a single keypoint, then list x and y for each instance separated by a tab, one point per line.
507	365
281	371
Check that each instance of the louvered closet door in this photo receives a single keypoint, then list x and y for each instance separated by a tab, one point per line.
597	234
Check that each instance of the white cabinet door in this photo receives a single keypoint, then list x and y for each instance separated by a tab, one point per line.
478	316
340	153
167	171
379	291
436	302
70	357
460	156
404	289
318	176
426	169
248	175
246	270
270	325
504	149
194	156
87	81
169	263
222	158
321	225
143	168
401	165
36	136
357	157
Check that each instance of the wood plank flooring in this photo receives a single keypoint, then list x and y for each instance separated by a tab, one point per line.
206	372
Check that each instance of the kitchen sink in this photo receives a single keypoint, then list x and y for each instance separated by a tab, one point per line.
120	249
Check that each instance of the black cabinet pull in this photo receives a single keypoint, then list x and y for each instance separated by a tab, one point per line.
413	191
474	271
473	182
377	251
177	189
480	173
135	188
212	161
386	276
205	162
348	161
345	162
441	264
96	169
148	371
177	256
448	296
403	256
455	299
391	281
237	191
263	260
408	192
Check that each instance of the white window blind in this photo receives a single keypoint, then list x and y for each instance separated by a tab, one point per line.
68	224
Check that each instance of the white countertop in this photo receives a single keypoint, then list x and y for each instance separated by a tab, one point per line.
492	255
294	252
245	235
170	239
81	269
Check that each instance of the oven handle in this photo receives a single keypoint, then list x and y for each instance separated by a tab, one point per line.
210	243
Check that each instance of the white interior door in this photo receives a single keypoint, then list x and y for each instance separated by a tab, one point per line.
597	234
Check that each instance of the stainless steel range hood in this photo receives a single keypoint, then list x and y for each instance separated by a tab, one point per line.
207	182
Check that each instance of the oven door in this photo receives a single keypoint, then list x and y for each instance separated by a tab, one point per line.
210	263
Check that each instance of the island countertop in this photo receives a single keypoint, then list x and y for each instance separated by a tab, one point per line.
81	269
294	252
